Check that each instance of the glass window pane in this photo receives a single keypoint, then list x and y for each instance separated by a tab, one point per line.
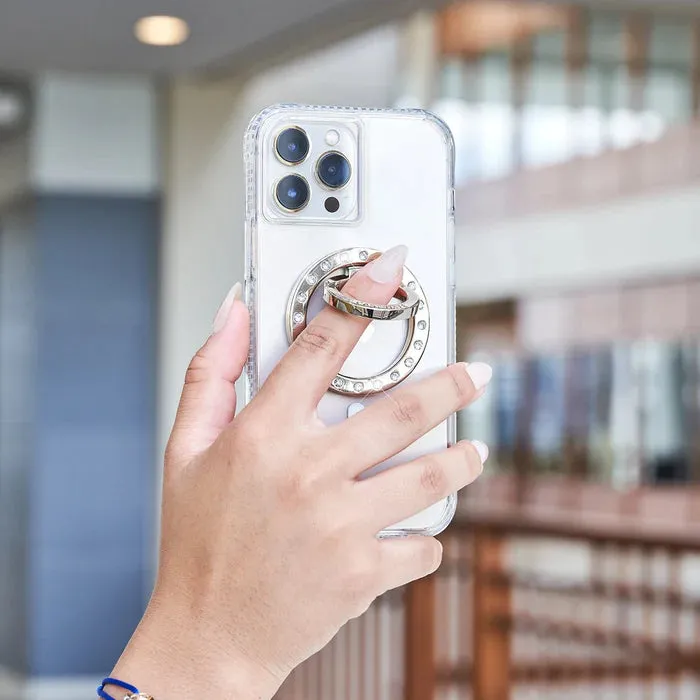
482	135
547	135
671	42
550	45
595	81
605	38
496	126
547	421
668	94
589	132
452	79
547	84
495	80
620	87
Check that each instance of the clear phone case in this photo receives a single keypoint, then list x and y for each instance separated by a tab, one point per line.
401	192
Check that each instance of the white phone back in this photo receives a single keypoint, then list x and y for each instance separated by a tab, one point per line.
404	170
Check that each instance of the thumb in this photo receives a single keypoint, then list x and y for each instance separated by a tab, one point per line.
208	402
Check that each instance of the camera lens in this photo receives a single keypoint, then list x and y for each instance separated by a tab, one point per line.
292	145
292	192
333	170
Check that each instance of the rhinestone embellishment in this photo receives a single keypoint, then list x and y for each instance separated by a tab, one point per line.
334	269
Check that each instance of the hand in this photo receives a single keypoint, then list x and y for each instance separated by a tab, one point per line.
268	537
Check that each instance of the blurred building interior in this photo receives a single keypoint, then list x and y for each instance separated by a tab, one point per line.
573	569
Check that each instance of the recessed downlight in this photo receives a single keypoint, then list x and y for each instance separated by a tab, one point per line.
161	30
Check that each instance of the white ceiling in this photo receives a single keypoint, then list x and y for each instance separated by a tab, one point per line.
94	35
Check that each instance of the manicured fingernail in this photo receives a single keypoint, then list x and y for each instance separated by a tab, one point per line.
225	308
386	267
482	449
480	373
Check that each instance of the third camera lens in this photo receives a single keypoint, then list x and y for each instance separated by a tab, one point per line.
292	145
333	170
292	192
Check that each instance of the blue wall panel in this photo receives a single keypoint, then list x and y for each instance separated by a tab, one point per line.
92	485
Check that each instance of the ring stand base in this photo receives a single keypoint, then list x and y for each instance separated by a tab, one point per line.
332	272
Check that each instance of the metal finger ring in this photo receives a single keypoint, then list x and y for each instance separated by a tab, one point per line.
405	309
333	271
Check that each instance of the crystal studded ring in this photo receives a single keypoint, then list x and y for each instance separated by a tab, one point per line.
332	272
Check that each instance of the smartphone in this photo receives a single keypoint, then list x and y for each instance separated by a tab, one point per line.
327	188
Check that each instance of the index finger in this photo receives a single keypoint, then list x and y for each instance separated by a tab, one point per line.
316	356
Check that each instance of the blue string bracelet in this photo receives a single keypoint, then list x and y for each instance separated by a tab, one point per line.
133	691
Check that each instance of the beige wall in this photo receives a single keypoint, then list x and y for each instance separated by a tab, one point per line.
202	244
657	234
202	253
95	133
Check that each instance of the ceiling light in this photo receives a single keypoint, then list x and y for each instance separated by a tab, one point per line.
161	30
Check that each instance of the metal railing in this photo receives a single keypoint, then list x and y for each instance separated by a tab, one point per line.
365	661
561	609
526	608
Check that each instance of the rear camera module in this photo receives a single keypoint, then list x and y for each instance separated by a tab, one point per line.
292	192
292	145
333	170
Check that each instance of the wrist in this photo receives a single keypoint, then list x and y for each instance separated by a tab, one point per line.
172	655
